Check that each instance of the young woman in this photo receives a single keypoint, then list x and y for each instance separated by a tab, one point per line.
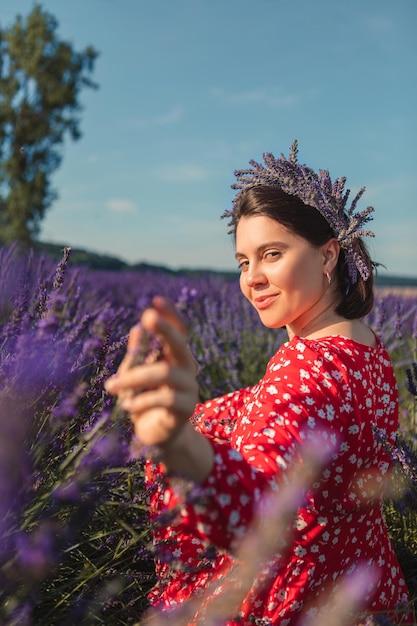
303	266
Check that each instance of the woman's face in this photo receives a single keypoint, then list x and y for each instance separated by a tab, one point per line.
282	275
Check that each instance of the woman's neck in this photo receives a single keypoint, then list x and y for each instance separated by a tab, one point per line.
336	325
317	325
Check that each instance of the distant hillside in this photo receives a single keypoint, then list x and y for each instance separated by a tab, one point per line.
81	257
94	260
386	280
106	262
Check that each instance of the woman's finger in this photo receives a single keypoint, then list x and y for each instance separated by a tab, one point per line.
173	340
180	403
158	428
159	414
168	311
150	376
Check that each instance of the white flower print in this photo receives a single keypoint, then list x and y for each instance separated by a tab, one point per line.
330	412
272	390
224	499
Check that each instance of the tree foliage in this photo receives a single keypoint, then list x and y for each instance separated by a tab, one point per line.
41	77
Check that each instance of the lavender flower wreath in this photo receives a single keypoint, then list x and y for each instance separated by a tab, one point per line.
316	190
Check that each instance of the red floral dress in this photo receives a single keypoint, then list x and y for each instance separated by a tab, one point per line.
333	391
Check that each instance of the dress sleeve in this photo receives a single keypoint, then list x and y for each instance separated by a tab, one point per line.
217	418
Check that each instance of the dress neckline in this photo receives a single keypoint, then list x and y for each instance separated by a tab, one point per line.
339	339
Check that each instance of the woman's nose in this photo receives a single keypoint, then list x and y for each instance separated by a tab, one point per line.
255	276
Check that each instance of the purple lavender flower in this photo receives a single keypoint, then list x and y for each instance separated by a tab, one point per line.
411	373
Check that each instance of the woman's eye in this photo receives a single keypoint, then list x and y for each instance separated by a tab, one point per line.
243	265
272	254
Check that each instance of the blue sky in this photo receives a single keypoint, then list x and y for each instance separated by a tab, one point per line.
190	90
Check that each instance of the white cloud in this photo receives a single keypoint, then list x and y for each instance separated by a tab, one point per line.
182	173
380	24
169	118
273	99
394	187
122	205
182	242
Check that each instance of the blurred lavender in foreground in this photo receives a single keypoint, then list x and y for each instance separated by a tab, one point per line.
67	489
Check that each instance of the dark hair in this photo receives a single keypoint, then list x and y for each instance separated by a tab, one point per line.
356	300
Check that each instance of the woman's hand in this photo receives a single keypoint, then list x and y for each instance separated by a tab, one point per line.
168	394
168	389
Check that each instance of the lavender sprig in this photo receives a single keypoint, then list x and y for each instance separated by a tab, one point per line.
411	373
148	350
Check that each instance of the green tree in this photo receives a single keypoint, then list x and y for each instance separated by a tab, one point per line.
41	77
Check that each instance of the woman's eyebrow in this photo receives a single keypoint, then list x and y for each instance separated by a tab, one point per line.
265	246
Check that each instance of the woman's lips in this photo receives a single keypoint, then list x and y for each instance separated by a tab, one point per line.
263	302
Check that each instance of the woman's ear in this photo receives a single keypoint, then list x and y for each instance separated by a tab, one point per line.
331	251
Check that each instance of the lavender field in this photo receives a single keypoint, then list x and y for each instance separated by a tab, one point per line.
74	538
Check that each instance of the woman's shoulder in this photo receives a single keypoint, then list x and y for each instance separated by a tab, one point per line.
322	368
331	348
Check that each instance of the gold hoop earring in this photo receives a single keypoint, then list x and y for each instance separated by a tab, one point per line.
329	278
